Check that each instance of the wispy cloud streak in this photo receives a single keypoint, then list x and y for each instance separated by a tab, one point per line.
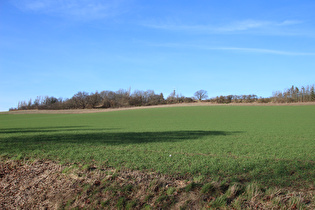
255	24
233	27
263	51
78	9
235	49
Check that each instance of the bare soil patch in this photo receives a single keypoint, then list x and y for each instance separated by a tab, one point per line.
44	184
34	185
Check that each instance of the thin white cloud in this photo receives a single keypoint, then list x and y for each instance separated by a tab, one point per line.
263	51
78	9
243	25
235	49
237	26
290	22
34	5
256	24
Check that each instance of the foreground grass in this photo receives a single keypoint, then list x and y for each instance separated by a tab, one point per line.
272	146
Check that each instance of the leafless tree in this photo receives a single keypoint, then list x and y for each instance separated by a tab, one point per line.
201	94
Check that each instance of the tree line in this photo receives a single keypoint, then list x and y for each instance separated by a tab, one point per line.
104	99
295	94
124	98
290	95
239	99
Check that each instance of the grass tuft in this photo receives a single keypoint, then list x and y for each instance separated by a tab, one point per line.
170	191
235	190
191	186
121	203
207	188
253	190
218	202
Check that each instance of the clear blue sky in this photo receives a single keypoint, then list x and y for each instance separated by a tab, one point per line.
60	47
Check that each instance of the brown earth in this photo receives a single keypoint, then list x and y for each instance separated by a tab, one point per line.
80	111
44	184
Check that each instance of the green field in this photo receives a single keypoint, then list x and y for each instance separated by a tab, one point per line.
270	145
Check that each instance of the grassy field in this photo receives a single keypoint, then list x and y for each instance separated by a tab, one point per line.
172	157
269	145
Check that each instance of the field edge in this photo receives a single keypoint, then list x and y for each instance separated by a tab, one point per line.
82	111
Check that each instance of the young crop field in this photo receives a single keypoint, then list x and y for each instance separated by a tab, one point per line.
270	146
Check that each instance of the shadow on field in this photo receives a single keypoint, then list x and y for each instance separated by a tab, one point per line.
79	143
45	129
110	138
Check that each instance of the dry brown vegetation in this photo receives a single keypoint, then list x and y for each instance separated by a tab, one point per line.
43	184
